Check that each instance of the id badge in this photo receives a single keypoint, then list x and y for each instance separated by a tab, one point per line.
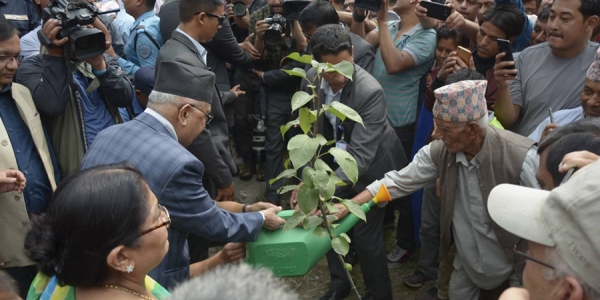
341	144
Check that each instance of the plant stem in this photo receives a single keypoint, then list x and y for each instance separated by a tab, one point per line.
339	256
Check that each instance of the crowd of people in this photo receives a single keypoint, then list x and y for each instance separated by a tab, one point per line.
119	165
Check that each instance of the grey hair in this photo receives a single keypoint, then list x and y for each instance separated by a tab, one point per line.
234	281
161	98
562	270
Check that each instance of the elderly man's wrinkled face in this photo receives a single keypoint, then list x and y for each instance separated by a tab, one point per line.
533	277
590	98
454	135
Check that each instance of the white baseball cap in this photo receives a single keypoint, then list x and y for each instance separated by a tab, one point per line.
567	218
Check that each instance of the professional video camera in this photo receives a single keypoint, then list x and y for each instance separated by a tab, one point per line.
273	34
73	17
239	8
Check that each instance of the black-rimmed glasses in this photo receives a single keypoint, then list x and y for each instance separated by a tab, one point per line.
165	222
306	35
521	248
6	59
220	18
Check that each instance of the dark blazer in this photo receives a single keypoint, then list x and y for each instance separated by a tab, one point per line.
364	53
375	146
211	147
175	177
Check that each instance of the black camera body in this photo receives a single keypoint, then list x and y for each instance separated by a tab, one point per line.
370	5
83	42
273	34
239	8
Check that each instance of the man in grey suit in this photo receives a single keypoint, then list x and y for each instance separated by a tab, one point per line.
375	147
154	142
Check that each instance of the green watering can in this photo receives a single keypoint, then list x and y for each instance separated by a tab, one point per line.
296	251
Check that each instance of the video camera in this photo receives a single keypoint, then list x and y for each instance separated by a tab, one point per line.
273	34
73	17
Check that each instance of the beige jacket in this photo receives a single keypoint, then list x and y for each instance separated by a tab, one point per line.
14	222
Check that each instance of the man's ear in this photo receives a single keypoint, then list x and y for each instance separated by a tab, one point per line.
575	289
184	114
590	23
118	259
473	128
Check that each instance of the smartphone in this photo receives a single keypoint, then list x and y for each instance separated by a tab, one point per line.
436	10
551	114
504	46
105	7
464	54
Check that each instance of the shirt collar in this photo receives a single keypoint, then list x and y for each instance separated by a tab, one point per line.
198	45
163	121
327	89
6	87
142	18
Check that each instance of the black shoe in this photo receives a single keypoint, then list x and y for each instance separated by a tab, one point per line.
430	294
335	295
417	279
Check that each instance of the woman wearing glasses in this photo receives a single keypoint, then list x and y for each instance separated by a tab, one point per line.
102	233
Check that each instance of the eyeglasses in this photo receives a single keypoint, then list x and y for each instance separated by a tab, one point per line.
221	18
165	222
306	35
351	5
520	250
6	59
208	116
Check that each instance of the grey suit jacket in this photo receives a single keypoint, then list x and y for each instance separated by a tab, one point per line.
175	177
364	53
375	146
211	147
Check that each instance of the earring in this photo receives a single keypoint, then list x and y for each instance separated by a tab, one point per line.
129	269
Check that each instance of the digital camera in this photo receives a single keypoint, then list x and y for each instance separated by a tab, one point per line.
273	34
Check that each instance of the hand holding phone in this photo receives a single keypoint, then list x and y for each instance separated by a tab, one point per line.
105	7
436	10
504	46
464	54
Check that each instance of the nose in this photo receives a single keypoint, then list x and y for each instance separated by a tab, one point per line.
436	134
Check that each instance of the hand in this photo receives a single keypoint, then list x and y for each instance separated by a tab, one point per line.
259	206
226	193
460	64
229	11
577	160
503	77
342	211
249	48
455	20
428	79
12	180
258	74
261	28
51	30
233	252
549	128
420	11
382	13
236	90
448	68
294	198
272	220
515	294
472	63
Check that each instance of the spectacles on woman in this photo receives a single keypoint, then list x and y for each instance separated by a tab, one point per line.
165	222
520	250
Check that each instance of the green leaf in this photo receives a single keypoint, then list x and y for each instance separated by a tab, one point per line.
329	143
320	165
346	237
323	67
346	162
332	218
322	140
302	148
306	119
300	98
307	59
346	111
312	221
296	72
340	245
287	126
294	220
285	174
307	198
331	208
355	209
286	163
310	86
328	189
320	232
337	181
315	64
287	188
345	68
308	174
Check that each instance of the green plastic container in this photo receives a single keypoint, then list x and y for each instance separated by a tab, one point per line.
296	251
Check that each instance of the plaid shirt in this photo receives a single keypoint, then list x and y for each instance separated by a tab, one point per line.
274	55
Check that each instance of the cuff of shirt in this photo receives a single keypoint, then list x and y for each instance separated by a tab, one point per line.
100	73
374	187
263	216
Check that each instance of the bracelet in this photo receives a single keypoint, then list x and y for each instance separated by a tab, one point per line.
244	208
357	17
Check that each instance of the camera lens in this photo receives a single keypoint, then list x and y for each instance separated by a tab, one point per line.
239	9
83	42
273	34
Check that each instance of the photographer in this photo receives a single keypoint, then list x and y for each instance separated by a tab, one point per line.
77	99
267	24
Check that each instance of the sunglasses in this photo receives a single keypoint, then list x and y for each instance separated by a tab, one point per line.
220	18
521	248
166	222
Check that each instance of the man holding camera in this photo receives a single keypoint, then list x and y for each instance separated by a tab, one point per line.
77	95
269	26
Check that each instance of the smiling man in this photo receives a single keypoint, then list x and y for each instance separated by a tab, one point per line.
549	74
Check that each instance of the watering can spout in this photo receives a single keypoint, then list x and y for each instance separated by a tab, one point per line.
296	251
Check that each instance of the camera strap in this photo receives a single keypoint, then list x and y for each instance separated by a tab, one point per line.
288	28
147	35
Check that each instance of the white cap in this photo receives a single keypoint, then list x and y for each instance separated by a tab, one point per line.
567	218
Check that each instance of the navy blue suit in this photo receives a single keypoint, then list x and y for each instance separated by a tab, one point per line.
175	177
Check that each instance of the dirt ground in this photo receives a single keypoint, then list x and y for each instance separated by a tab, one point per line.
314	284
